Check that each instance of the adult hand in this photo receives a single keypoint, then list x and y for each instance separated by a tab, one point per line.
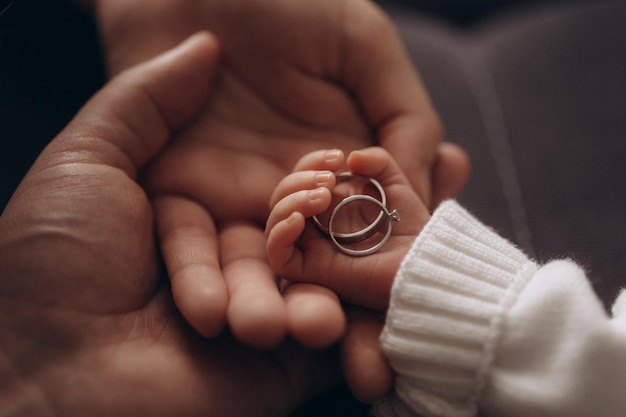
298	76
318	72
87	322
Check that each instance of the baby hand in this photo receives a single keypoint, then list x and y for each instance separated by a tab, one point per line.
299	252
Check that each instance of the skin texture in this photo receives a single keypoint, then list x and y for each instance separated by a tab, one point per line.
86	315
295	77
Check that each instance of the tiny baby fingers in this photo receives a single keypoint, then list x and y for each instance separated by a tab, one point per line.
307	202
302	180
281	249
190	250
327	159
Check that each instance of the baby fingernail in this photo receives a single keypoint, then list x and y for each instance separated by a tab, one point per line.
323	178
315	195
332	155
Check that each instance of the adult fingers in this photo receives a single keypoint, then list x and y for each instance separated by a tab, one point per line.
131	118
315	317
189	246
395	102
256	311
450	172
365	367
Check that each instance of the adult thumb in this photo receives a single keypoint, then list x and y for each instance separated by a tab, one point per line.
394	99
131	119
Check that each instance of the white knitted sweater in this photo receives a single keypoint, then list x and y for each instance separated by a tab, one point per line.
475	326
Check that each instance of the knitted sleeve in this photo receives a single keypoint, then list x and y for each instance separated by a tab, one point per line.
473	324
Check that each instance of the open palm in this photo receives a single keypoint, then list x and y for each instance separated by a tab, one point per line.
297	76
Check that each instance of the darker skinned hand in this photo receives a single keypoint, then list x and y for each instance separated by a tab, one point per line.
86	316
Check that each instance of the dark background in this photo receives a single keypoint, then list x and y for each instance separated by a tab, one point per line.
49	65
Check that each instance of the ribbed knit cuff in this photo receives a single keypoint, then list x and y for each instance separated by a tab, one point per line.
445	311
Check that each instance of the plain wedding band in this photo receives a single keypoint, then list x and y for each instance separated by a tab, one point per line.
388	216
